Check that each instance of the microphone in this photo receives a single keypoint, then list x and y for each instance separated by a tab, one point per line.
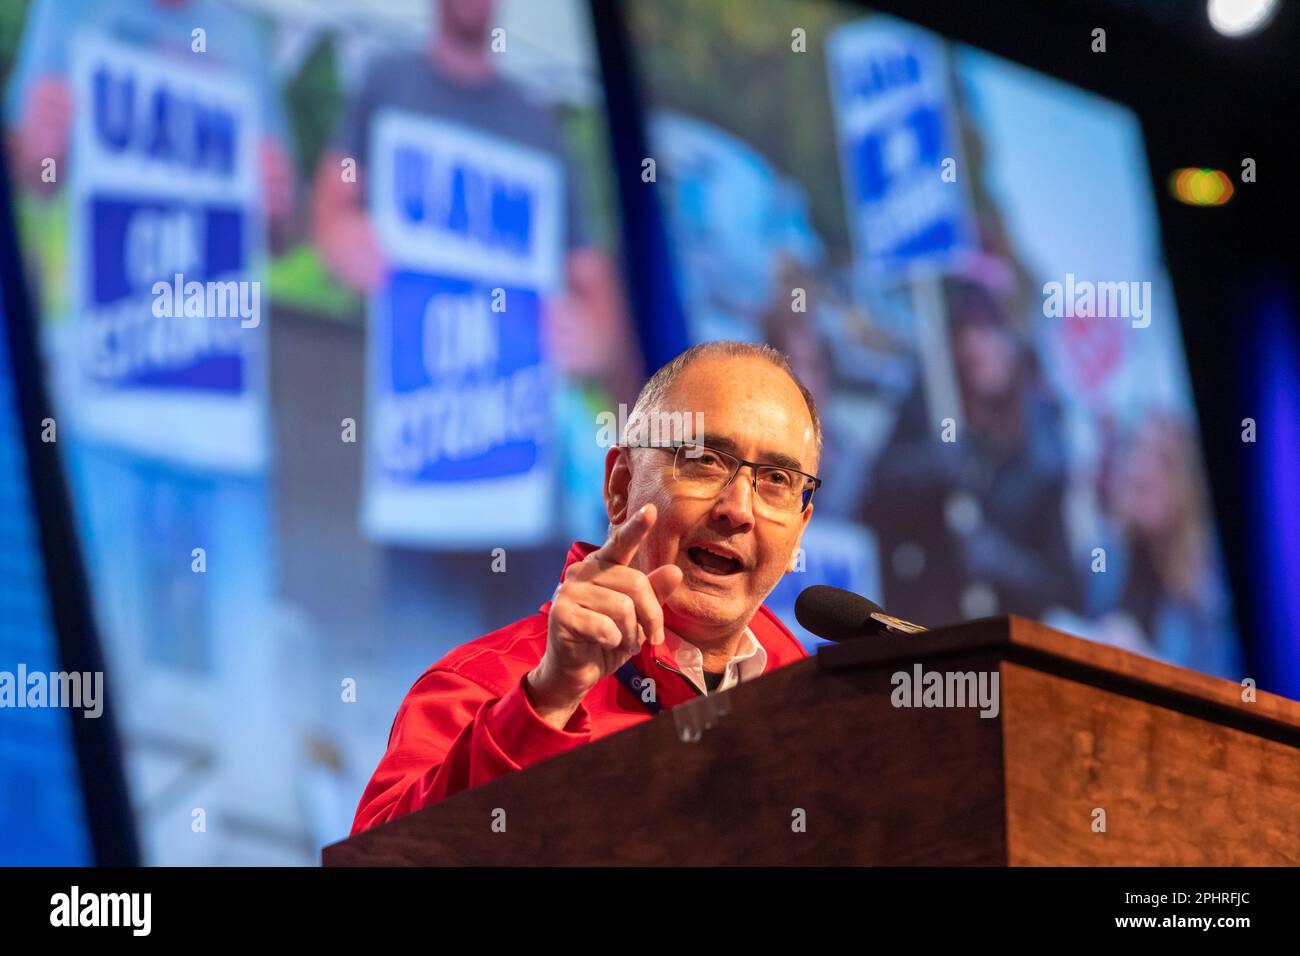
839	615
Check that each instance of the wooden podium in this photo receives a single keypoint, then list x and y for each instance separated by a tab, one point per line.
1095	757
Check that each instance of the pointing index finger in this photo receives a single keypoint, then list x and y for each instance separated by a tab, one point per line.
627	537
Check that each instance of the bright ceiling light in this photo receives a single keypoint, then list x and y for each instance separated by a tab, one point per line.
1235	18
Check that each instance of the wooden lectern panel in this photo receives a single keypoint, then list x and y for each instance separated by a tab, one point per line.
813	764
827	746
1177	790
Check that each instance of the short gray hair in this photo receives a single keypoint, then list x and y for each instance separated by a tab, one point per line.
655	390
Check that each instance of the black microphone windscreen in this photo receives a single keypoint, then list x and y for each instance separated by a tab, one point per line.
836	614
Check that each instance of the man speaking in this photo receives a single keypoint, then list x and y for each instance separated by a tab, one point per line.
668	608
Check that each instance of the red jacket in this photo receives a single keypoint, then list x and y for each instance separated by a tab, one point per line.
467	720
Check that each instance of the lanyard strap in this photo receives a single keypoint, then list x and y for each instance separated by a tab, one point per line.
631	678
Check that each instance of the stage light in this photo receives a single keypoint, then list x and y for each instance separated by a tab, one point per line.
1235	18
1200	187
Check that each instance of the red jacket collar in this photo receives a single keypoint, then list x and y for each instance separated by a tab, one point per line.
782	647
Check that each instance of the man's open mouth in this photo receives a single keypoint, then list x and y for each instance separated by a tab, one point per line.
713	562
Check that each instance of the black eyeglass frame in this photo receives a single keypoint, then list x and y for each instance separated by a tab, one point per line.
807	493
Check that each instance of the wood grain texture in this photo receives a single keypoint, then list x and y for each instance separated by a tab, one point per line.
1177	790
877	785
1187	771
1265	707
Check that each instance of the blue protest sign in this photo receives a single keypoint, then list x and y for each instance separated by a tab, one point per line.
460	448
167	340
897	130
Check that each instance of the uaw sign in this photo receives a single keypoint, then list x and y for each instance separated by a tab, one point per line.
167	238
889	86
461	450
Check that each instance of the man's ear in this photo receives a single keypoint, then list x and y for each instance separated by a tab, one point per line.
618	481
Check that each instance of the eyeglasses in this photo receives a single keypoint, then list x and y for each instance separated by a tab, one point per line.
705	471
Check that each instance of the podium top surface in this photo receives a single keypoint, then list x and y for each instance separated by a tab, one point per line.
1038	645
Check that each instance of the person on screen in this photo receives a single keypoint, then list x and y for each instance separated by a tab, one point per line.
1163	593
456	79
975	527
39	111
40	104
668	608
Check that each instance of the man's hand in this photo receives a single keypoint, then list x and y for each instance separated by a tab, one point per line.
341	227
601	614
354	253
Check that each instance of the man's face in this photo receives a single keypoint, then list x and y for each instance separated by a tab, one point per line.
754	411
466	19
